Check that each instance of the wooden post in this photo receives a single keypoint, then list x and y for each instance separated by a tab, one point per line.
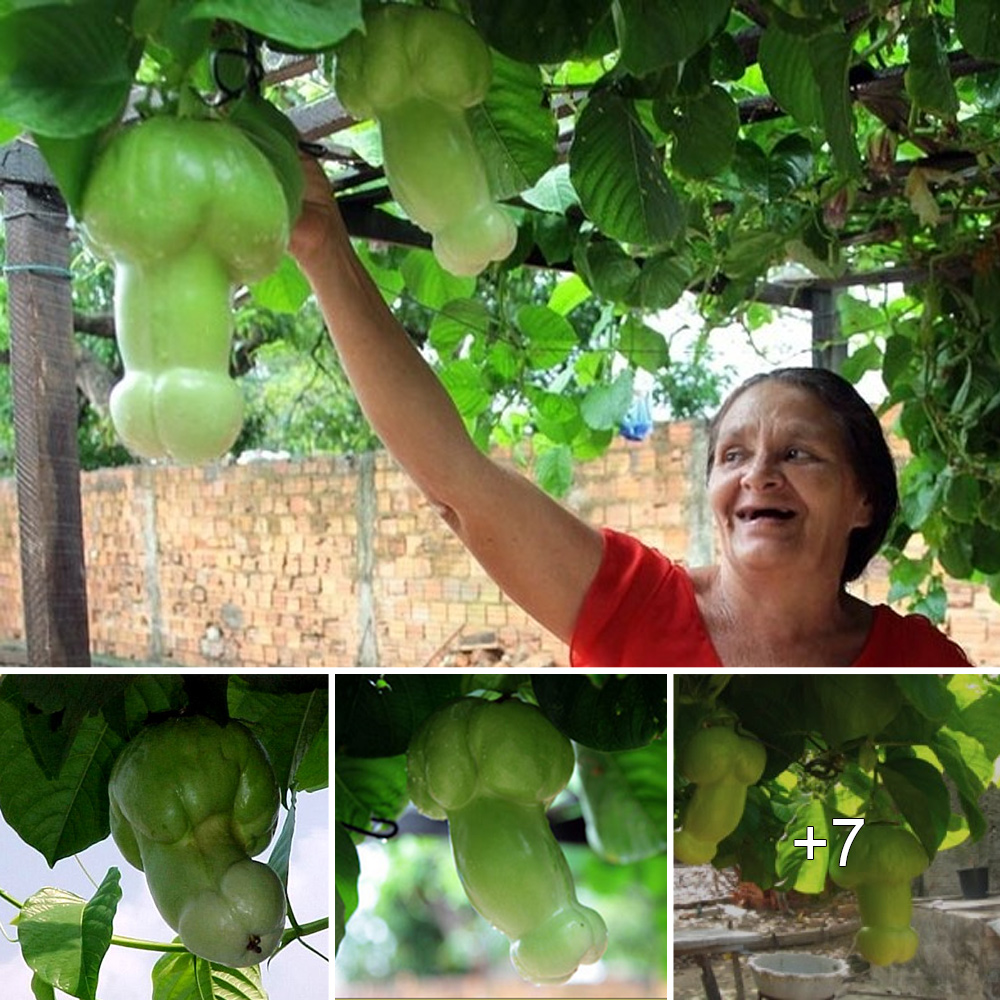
829	347
45	423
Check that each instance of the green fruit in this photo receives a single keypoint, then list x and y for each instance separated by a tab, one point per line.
491	769
416	70
191	803
187	210
721	764
882	861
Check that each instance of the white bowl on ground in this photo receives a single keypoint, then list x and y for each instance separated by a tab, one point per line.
797	975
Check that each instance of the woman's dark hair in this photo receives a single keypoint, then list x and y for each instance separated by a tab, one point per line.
866	446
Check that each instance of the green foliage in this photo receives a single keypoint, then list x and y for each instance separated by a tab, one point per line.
852	758
697	159
59	739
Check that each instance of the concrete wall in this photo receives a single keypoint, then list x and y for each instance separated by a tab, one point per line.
335	562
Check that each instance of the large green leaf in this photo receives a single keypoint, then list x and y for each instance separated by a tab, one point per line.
66	70
605	405
539	31
643	346
959	754
284	290
657	33
554	469
977	24
549	337
795	868
184	977
618	173
62	815
369	789
64	938
606	268
458	320
831	54
614	713
930	695
466	384
928	76
302	24
705	133
787	69
625	801
286	723
919	791
514	128
376	717
978	712
346	870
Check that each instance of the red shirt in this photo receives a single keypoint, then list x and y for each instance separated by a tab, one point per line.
641	611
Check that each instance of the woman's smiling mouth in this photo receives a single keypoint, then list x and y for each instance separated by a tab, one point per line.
754	514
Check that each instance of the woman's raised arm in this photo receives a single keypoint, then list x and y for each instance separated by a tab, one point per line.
541	555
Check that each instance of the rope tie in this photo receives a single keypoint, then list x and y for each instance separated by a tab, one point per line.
42	270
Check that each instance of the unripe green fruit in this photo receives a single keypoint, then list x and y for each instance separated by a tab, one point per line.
881	863
187	210
191	803
491	769
722	765
416	70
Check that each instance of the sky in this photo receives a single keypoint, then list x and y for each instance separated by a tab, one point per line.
786	340
294	974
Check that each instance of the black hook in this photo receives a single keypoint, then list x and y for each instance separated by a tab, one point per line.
393	828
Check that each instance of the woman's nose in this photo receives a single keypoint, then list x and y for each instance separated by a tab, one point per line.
762	471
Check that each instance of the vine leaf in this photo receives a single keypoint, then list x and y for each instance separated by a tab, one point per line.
48	55
184	977
977	24
514	129
787	69
831	55
538	31
64	938
287	723
658	33
705	133
62	815
624	714
347	870
303	24
955	754
375	717
625	802
618	173
794	867
919	791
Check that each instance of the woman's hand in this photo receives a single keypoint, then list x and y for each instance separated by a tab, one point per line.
319	228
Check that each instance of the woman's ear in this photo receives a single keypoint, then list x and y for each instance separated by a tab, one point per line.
865	513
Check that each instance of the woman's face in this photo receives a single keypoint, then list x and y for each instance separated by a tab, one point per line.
782	488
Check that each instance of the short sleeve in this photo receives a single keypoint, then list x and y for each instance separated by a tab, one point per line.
640	612
910	642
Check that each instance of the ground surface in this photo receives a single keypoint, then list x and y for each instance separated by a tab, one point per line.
712	904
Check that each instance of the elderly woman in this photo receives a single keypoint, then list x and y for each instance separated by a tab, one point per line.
801	483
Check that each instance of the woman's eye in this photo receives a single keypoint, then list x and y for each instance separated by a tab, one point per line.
795	454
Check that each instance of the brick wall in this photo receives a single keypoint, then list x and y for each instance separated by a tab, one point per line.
336	562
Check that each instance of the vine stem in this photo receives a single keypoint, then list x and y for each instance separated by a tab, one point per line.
10	899
138	944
